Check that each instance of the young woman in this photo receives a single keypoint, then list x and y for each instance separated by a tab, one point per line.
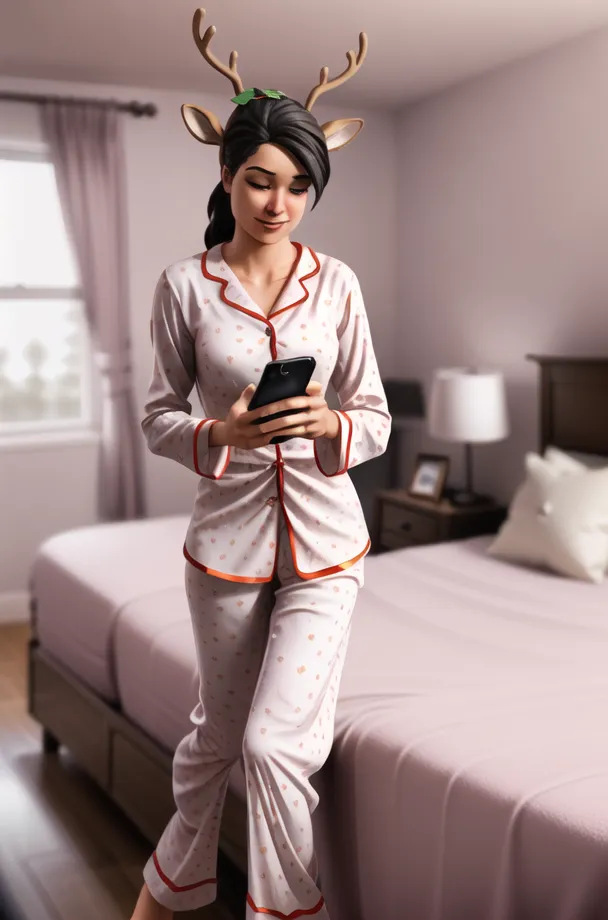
277	537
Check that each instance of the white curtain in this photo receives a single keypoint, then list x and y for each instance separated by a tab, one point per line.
87	151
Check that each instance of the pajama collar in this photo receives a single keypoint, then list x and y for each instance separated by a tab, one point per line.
234	294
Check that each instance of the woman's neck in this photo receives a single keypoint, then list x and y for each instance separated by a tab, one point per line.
260	263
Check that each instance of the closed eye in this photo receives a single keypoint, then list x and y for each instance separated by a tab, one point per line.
294	191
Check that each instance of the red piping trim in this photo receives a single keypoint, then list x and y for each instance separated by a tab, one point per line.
304	278
350	437
178	888
195	450
292	543
338	412
226	575
224	282
330	570
277	913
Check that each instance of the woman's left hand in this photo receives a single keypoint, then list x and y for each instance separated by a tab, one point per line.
316	421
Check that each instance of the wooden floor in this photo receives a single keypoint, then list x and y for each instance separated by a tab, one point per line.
66	852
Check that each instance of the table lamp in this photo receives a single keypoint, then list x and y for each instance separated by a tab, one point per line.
468	406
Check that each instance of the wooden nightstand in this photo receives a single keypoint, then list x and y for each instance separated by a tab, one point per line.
401	520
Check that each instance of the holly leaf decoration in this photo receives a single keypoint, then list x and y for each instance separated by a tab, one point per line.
244	97
253	93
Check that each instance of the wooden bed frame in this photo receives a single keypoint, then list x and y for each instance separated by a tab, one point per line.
135	770
573	395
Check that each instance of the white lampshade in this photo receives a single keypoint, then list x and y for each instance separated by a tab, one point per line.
467	405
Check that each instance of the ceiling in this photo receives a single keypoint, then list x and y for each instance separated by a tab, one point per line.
415	48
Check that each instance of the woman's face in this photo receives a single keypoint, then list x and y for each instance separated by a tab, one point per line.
268	193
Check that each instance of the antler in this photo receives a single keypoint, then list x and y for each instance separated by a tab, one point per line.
203	46
354	63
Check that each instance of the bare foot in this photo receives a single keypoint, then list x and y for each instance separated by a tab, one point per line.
148	908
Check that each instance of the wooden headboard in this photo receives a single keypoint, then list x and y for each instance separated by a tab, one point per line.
573	413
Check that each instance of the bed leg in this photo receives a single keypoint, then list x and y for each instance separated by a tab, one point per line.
50	744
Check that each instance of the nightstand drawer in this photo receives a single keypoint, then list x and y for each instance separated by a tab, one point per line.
401	520
402	527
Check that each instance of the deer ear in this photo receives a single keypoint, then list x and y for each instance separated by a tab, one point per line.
202	124
340	132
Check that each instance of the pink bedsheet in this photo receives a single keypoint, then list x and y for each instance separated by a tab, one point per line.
469	778
82	579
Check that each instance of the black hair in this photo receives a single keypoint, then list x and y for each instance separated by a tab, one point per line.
284	122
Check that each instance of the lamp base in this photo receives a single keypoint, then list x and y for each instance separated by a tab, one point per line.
462	498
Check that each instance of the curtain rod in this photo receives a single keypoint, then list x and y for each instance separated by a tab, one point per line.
133	108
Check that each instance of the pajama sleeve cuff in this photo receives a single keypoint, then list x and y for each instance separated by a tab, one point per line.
209	461
333	454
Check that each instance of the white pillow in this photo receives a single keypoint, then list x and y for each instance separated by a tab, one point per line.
575	460
566	463
558	519
561	462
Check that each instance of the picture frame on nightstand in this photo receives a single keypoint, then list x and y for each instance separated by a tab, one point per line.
429	477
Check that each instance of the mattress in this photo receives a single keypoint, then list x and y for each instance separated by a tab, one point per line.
156	670
83	578
469	778
469	775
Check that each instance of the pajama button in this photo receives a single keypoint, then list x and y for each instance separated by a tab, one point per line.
268	330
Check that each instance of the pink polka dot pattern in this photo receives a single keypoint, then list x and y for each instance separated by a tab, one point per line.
268	701
210	336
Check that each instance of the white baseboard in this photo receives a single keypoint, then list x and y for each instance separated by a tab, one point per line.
14	607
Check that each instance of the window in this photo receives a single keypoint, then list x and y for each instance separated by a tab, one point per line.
45	360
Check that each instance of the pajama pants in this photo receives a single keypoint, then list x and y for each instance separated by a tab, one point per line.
270	658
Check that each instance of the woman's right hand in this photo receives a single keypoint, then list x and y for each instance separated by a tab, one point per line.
238	430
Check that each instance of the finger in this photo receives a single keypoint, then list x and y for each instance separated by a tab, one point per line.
316	402
248	392
314	387
256	414
299	431
287	421
295	402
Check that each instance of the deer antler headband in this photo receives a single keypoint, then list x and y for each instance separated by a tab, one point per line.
207	128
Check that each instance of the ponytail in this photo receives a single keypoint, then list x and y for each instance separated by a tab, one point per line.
221	220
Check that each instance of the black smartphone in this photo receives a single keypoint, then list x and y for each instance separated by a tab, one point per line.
281	380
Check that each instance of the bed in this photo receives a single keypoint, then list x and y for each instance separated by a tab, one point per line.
469	775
